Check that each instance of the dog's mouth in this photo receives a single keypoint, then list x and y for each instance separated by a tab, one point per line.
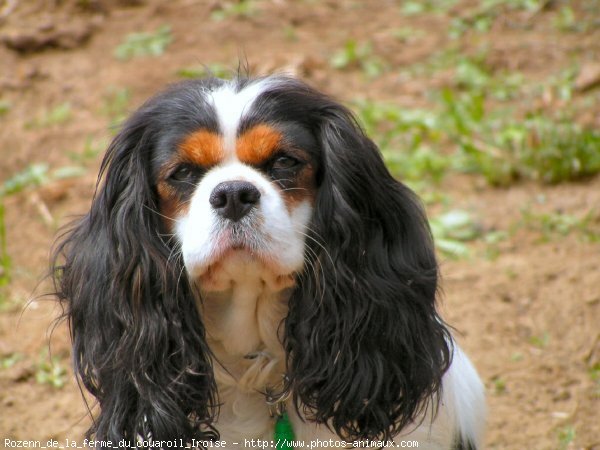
239	238
239	255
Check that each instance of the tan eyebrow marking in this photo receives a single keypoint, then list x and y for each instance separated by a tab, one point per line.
258	144
202	147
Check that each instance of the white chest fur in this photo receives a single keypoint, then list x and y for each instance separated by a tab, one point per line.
244	327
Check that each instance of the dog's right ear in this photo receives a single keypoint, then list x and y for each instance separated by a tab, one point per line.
138	342
367	348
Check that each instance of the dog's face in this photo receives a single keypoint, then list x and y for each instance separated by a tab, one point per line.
238	192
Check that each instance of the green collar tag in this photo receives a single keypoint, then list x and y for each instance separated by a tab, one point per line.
284	433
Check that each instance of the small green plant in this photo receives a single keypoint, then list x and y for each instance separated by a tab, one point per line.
477	129
33	175
594	372
408	140
419	164
551	225
473	73
483	16
541	341
202	71
566	435
504	149
8	361
492	240
411	8
355	55
50	371
5	106
452	230
566	20
516	357
239	8
5	260
290	34
115	105
58	115
407	34
499	384
142	44
91	149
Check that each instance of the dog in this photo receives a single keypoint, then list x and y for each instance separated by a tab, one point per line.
247	256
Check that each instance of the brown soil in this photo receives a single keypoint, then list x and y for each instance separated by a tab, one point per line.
529	318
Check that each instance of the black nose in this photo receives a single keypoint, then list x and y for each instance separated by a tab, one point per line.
234	199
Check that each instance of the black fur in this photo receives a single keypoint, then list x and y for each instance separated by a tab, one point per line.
366	348
461	444
138	343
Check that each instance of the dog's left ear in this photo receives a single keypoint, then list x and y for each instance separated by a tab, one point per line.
138	342
367	350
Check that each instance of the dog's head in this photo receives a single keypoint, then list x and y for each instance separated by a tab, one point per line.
212	181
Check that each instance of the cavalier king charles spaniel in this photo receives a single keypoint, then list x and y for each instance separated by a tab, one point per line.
248	253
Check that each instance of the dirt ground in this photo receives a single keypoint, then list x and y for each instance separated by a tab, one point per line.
529	318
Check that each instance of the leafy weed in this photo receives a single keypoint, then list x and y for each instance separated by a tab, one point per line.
143	44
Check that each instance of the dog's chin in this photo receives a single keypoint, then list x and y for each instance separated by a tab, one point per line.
238	265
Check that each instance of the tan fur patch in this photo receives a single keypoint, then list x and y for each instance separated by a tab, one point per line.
170	205
303	189
258	144
202	147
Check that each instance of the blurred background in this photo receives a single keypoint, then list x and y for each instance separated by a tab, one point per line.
489	109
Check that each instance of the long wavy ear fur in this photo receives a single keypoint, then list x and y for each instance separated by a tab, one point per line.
367	350
138	342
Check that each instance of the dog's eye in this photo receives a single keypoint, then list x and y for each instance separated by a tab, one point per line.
185	174
284	163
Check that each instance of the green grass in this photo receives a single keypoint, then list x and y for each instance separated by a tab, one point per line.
479	133
209	70
559	224
517	357
499	385
8	361
566	435
481	18
5	107
505	150
92	148
407	34
234	9
5	260
453	230
594	374
355	55
542	341
412	8
50	371
58	115
34	175
290	33
115	105
408	139
143	44
492	240
565	19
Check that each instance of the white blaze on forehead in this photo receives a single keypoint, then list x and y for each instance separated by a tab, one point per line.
231	106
